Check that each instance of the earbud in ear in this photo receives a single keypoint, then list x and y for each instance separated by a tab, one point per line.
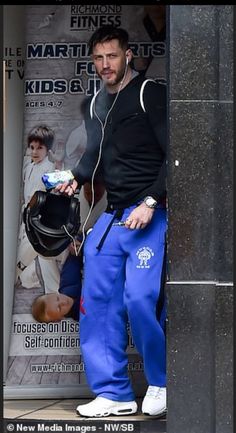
127	61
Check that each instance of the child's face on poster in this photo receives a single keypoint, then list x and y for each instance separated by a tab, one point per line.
38	151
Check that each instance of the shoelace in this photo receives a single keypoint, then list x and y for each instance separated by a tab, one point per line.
154	391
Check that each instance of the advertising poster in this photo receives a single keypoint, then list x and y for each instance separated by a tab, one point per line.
58	75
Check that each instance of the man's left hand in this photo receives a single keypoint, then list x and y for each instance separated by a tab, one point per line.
140	217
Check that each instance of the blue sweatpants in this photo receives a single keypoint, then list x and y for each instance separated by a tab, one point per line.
122	284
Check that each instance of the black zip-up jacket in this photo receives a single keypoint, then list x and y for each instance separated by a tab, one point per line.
133	152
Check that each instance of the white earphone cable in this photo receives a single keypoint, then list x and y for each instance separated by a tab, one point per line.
73	239
103	126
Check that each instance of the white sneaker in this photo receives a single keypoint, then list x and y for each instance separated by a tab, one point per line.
154	402
104	407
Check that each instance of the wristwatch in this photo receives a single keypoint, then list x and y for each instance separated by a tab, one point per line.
150	202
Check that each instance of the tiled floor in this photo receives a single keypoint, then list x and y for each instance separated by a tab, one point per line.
56	414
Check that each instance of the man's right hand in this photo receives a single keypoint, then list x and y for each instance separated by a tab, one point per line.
67	188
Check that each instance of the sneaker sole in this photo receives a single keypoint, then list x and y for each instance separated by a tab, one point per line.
159	415
112	411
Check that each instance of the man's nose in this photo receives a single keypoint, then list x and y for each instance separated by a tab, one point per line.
105	62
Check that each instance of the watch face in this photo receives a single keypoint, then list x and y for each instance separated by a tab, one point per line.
151	202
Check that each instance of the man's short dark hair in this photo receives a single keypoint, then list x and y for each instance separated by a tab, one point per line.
106	34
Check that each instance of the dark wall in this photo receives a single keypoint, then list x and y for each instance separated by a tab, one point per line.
200	215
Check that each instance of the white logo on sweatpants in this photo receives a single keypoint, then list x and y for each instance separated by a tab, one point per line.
144	255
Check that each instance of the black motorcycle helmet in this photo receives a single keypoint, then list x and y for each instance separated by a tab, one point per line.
51	220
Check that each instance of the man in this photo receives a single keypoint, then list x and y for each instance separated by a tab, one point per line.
124	253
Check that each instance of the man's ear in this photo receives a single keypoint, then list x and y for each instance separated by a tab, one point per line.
129	55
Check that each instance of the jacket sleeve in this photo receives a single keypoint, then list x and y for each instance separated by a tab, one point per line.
155	102
84	170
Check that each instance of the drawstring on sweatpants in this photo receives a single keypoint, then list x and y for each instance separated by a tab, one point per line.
117	215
